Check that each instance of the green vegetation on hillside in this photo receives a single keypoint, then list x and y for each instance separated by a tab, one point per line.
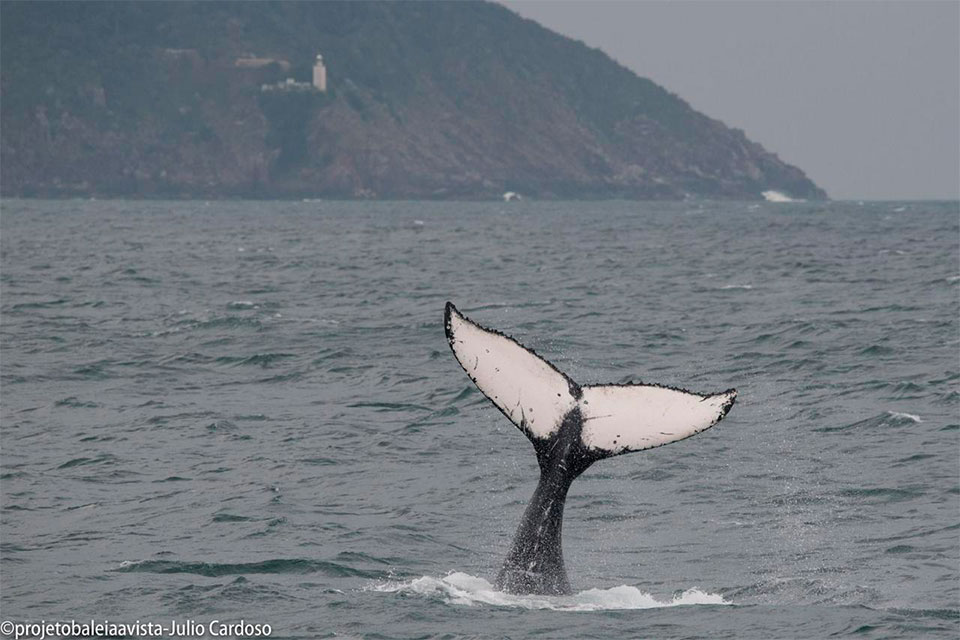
427	99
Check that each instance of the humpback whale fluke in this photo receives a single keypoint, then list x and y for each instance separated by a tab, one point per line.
571	426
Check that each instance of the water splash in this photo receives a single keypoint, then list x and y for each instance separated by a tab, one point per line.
779	196
463	589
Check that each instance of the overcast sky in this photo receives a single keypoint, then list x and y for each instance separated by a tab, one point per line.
864	96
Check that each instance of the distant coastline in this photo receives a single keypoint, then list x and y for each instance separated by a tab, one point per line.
419	101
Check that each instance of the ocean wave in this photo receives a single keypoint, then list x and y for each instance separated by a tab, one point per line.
906	416
264	360
463	589
885	419
276	566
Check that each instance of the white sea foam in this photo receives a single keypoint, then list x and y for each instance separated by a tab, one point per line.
909	416
953	278
778	196
737	286
463	589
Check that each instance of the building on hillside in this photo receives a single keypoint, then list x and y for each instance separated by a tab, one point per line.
288	85
319	74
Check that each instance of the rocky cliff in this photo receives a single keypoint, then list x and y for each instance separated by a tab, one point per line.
424	100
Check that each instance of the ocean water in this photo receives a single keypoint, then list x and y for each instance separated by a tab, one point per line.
248	411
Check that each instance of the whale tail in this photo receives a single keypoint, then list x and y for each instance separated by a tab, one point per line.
537	397
571	426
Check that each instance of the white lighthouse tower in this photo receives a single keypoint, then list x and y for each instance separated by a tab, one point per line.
319	74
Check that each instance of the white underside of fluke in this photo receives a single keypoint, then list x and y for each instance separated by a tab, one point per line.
536	396
622	418
528	389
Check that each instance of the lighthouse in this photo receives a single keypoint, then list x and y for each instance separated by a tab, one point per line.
319	74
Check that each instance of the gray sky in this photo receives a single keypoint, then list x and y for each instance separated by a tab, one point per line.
862	95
